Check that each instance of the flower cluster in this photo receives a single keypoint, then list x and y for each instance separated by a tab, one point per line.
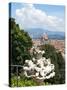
40	67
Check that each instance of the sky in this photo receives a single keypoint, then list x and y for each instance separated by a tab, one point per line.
43	16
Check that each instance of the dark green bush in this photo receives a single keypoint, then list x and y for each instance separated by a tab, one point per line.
59	62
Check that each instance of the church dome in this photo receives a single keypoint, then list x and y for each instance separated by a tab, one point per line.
45	36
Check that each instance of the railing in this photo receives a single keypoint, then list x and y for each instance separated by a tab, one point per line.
17	66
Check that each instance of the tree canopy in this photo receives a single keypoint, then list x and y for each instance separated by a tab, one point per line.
20	43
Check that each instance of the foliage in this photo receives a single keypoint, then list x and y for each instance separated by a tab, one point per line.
20	43
59	62
23	81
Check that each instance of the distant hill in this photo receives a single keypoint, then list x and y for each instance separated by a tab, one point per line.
37	33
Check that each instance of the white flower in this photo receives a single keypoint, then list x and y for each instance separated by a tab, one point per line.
37	73
26	61
41	78
42	73
48	61
51	75
43	52
42	66
26	68
37	69
33	59
30	63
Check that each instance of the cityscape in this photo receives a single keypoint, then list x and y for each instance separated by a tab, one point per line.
58	44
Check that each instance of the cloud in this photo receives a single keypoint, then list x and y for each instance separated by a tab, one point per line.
31	17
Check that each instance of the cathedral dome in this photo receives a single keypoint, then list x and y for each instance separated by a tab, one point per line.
45	36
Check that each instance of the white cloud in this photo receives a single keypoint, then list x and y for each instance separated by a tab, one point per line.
30	17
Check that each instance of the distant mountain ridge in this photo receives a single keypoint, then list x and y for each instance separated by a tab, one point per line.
37	33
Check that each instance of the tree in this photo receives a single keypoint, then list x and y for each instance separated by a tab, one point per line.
20	43
58	61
